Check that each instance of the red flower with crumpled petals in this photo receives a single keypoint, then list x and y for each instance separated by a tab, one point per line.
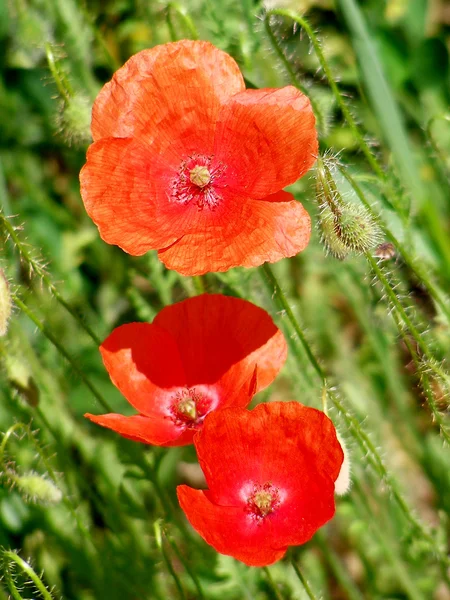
201	354
186	161
270	474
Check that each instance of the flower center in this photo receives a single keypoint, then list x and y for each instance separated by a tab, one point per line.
263	501
200	176
196	181
189	408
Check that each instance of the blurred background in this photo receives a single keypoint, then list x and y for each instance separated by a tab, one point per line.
87	509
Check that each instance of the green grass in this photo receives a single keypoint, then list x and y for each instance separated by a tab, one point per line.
370	338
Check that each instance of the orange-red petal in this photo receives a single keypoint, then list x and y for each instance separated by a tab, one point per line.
290	443
158	432
121	185
169	95
267	230
223	527
215	334
287	448
144	363
267	138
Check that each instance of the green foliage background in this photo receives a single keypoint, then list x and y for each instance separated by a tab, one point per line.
369	337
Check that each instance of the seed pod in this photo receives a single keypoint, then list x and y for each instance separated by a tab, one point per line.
35	488
74	120
330	240
5	304
347	227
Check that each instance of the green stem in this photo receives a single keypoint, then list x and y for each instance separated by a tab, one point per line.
184	17
272	584
418	337
61	82
160	542
26	568
303	580
10	583
295	324
5	439
198	284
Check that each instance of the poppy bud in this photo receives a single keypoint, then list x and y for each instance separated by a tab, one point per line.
35	488
347	227
5	304
74	120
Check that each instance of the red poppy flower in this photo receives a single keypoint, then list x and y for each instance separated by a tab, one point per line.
188	162
270	473
198	355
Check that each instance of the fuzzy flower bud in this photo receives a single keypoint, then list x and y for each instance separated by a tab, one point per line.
35	488
74	120
347	227
5	304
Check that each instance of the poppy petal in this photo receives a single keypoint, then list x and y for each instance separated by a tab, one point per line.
290	443
228	529
120	186
265	231
267	139
221	338
158	432
167	93
144	363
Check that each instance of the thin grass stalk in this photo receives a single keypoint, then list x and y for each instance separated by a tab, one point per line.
440	154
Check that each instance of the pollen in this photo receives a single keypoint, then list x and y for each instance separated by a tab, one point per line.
263	501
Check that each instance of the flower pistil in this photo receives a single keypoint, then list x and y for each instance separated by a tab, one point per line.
189	408
263	501
196	182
